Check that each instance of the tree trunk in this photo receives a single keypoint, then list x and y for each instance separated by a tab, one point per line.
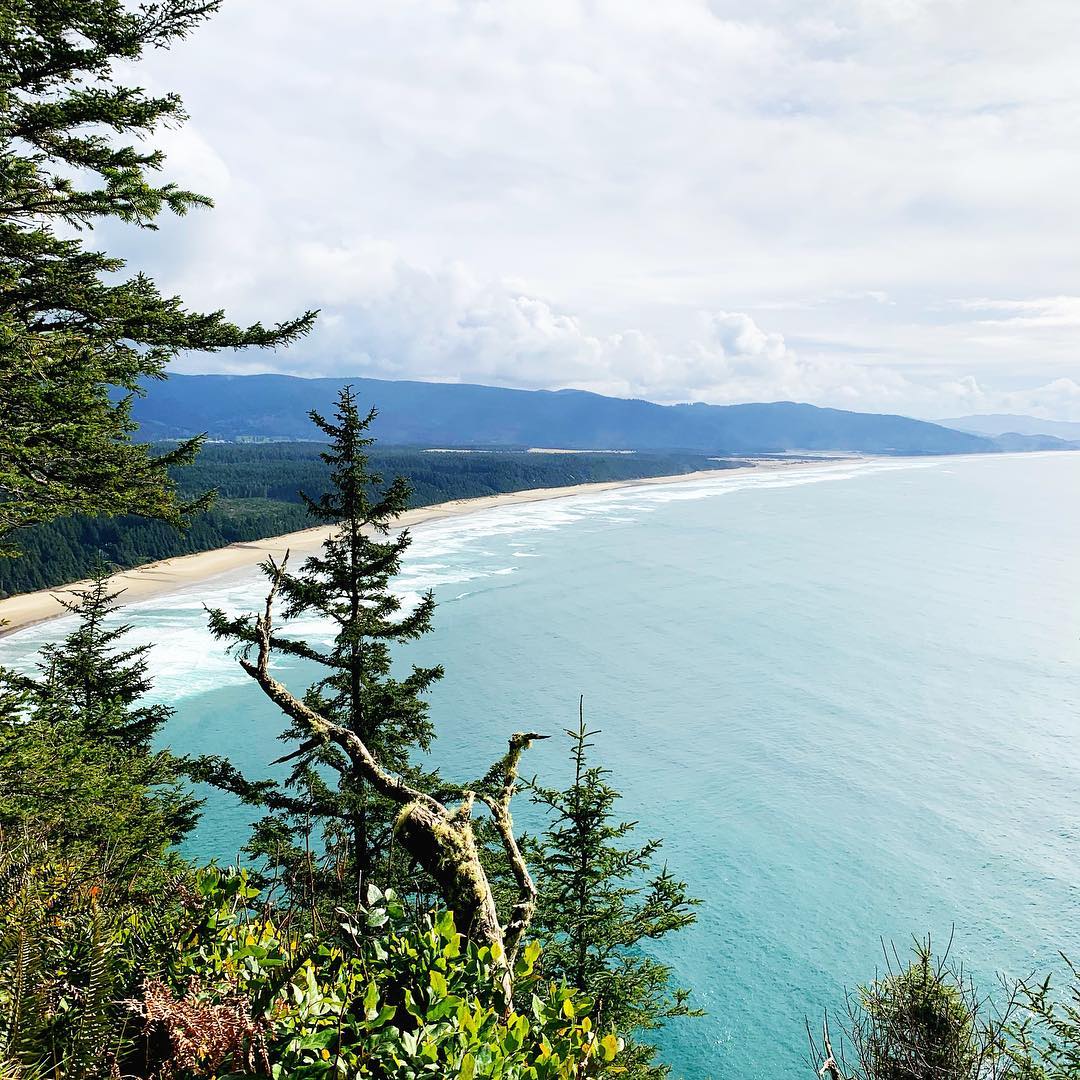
445	846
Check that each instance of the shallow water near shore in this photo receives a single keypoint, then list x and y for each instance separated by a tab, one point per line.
848	697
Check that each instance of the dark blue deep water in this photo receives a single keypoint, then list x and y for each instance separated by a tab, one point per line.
848	697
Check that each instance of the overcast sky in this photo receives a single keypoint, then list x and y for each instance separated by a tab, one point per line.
872	204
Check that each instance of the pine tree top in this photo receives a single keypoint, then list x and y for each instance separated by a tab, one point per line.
91	679
76	337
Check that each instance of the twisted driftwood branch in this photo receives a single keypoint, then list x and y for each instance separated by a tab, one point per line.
499	805
440	839
829	1067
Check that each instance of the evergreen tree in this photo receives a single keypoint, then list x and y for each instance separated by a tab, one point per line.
601	900
77	764
348	585
76	339
90	679
925	1019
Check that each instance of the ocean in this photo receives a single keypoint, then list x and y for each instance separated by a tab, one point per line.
847	697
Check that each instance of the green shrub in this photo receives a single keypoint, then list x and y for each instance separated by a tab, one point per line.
379	997
76	944
925	1020
1048	1036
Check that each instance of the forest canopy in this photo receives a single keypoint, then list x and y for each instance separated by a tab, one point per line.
257	487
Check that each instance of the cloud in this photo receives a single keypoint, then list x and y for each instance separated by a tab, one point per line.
702	198
1061	397
1048	311
388	318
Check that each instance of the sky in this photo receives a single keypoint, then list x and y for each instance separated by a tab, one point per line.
869	204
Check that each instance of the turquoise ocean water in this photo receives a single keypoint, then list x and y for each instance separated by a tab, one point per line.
848	697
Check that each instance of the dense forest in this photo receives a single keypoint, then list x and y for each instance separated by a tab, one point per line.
258	488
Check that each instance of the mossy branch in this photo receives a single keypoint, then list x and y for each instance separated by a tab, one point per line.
440	838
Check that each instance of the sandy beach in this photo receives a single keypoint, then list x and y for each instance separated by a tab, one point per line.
167	575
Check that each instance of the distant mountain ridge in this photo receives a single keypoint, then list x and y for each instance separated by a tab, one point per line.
996	424
456	414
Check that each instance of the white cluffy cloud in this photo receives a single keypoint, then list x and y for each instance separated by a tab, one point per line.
863	205
385	318
1050	311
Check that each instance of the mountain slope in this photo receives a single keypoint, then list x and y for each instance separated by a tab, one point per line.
446	414
1012	441
1010	423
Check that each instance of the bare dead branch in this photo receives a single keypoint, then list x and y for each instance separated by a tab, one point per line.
499	805
440	839
316	723
829	1067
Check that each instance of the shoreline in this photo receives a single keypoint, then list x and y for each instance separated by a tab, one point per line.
151	580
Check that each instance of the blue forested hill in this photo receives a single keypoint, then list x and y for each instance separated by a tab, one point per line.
1013	424
444	414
